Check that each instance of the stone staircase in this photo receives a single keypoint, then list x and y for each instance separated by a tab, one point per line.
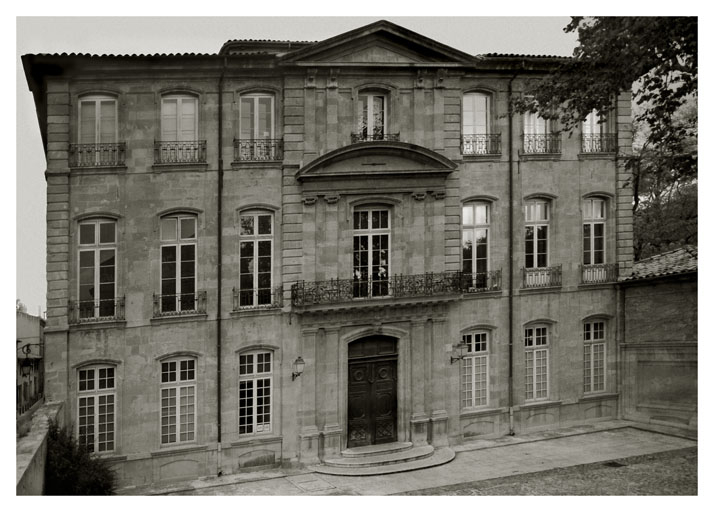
382	459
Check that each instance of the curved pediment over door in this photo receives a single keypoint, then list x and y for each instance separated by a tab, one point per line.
370	167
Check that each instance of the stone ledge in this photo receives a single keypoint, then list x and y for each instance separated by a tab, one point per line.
593	397
177	450
257	441
474	413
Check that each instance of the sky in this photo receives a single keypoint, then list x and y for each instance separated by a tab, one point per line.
126	35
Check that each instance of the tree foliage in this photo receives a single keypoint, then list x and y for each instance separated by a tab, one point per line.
656	59
71	469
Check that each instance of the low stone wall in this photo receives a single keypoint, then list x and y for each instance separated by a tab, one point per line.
32	451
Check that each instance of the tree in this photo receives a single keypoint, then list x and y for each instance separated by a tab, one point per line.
656	58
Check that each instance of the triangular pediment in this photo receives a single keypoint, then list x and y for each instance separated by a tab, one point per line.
381	43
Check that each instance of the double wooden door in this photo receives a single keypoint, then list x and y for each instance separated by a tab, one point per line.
372	397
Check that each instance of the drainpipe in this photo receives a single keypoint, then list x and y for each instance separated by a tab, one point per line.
511	430
219	286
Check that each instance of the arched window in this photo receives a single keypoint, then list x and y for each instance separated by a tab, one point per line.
178	400
371	251
97	269
594	217
537	365
475	244
96	407
475	368
476	130
538	136
257	141
596	136
97	133
179	131
178	263
256	259
594	355
537	231
255	381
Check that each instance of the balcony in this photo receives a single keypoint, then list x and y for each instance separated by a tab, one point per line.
337	291
180	152
372	137
481	144
542	277
94	311
600	273
536	144
257	150
97	155
599	143
260	298
179	304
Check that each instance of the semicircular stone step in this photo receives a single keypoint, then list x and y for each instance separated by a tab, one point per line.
435	458
376	449
381	459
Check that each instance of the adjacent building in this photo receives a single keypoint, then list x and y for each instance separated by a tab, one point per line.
285	249
29	371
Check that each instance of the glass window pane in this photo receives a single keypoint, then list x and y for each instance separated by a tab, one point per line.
168	228
468	214
106	233
265	224
246	225
247	117
86	233
188	228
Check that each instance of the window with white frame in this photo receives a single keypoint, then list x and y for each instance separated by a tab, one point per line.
255	378
97	120
476	113
537	364
536	240
96	406
594	217
179	118
178	400
178	263
97	268
594	339
256	116
475	243
372	119
370	251
474	369
256	259
538	135
595	124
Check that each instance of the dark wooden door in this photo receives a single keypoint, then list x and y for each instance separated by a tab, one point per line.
372	401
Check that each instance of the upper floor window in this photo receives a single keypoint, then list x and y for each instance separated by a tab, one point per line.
97	269
370	253
178	263
538	136
475	239
256	259
97	120
594	356
256	116
178	400
536	240
179	118
477	136
537	362
255	394
596	136
372	121
474	369
96	408
594	217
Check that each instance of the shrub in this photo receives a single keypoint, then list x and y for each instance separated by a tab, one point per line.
71	469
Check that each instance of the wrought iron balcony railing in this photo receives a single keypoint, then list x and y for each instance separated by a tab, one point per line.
257	150
258	298
599	143
420	285
91	311
542	277
541	143
371	137
179	304
599	273
481	144
180	152
97	155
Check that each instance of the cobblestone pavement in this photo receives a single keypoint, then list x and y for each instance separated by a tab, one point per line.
478	462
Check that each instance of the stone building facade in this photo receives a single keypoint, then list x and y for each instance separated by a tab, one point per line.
365	206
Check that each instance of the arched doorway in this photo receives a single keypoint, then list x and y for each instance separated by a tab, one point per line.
372	391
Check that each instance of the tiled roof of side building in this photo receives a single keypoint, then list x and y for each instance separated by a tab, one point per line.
678	261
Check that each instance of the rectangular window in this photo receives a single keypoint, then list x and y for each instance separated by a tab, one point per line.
96	409
97	268
477	114
536	359
474	370
475	240
255	393
178	263
594	357
97	120
256	117
594	216
536	236
370	252
178	401
256	257
179	119
372	116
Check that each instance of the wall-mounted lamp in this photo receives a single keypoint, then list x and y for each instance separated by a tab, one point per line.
27	364
298	367
461	348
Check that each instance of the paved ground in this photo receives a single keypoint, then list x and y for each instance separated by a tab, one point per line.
480	461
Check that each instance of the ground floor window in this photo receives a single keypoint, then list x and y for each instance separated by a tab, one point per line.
255	393
96	403
537	365
474	370
178	401
594	357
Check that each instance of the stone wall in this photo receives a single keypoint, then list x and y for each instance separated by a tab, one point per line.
31	451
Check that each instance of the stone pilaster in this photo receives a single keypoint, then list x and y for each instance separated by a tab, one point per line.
309	434
624	198
419	420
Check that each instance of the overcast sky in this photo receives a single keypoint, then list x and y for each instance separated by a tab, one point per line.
530	35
